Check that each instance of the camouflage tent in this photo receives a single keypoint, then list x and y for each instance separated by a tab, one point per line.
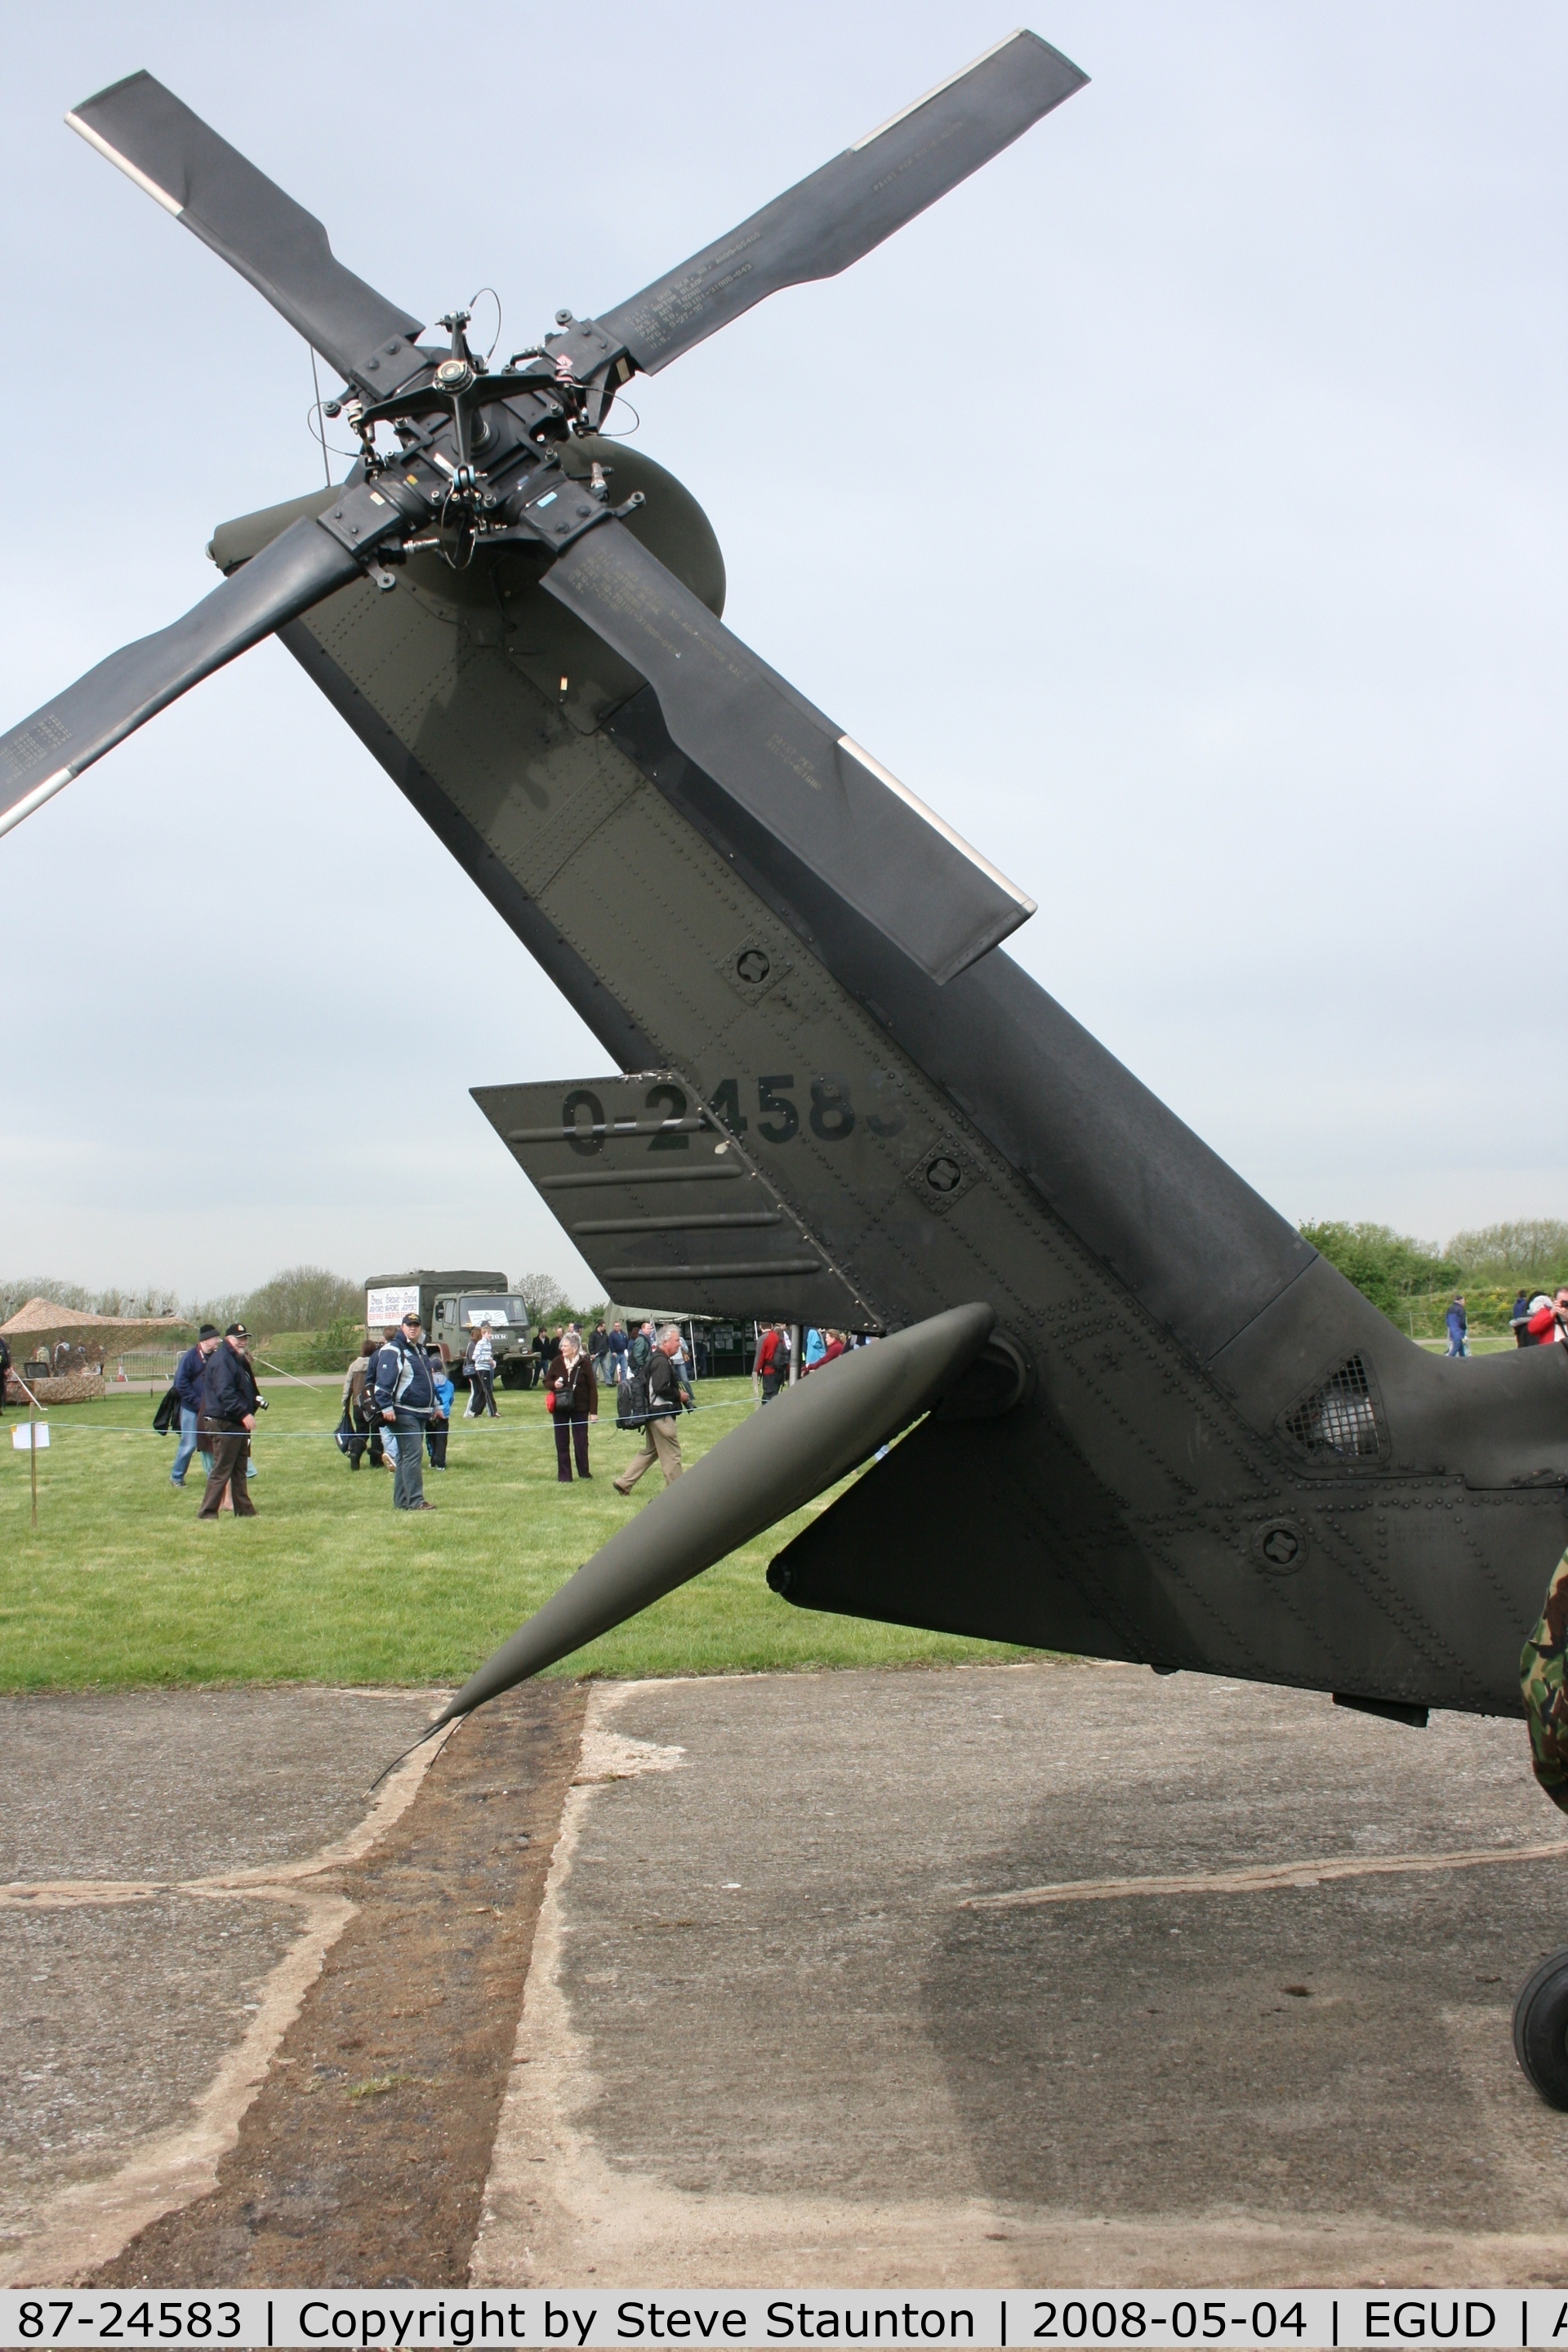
42	1325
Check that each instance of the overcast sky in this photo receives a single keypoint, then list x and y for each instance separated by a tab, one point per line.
1249	666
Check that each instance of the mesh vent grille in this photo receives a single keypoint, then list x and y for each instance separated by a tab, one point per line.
1340	1417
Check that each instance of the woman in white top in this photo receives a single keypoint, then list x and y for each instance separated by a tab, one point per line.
481	1368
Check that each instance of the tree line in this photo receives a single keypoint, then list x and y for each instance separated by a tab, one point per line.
297	1299
1395	1271
1398	1271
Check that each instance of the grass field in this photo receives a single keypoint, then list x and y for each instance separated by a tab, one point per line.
121	1585
1482	1346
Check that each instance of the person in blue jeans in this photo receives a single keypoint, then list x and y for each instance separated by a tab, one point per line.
188	1376
406	1401
1459	1327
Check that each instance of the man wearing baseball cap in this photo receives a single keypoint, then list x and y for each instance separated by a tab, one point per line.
405	1400
228	1406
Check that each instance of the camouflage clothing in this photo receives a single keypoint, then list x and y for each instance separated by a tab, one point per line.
1542	1675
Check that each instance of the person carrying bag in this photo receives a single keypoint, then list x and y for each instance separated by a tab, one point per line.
572	1399
354	1430
662	1408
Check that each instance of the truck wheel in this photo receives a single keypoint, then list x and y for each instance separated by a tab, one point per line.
512	1376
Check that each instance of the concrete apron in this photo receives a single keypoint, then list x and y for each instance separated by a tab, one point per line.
1242	2016
1239	2015
173	1867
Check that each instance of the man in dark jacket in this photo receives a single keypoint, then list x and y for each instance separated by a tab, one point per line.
189	1375
405	1400
228	1406
1459	1327
659	1442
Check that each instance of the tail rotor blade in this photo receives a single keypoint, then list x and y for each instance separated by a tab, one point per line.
252	224
790	769
41	755
772	1465
824	223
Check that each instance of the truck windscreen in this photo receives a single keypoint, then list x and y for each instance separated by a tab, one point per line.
500	1313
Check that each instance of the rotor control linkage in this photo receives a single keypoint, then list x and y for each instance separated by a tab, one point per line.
555	510
370	520
451	405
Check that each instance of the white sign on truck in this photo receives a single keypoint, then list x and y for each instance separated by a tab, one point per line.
383	1308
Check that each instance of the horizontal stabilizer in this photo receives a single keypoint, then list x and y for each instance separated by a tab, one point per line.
778	1459
664	1202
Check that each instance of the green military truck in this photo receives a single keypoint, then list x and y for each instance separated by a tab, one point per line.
451	1306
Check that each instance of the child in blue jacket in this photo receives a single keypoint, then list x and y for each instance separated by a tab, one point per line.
440	1422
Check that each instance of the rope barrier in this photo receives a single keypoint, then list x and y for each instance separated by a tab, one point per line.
544	1427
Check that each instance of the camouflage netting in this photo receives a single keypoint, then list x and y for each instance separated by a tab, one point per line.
42	1324
71	1388
1541	1676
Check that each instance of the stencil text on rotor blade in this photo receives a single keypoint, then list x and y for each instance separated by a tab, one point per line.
919	156
792	757
29	743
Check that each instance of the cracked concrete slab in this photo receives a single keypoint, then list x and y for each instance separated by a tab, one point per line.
162	1916
190	1784
770	2034
1245	2018
112	2025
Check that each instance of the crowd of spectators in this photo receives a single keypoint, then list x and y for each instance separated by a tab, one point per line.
399	1395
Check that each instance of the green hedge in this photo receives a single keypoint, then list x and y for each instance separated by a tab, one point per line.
1414	1283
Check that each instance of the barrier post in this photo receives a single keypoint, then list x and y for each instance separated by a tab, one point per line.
32	1441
